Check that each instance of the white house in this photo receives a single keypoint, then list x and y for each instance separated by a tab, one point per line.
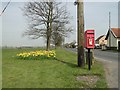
101	40
113	38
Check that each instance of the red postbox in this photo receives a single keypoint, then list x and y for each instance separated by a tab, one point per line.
89	39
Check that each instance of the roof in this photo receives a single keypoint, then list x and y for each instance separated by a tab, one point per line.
99	37
116	31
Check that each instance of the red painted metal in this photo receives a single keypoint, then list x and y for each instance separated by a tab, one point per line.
89	39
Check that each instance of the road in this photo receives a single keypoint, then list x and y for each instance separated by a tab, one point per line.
106	55
110	62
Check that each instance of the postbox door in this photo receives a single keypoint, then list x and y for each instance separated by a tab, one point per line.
90	42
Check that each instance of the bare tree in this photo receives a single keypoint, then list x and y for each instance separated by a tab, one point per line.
43	15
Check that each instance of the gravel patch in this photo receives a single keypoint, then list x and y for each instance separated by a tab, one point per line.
89	79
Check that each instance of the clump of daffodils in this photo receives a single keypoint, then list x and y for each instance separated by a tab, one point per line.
37	54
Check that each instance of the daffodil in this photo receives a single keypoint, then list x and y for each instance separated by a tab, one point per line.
37	54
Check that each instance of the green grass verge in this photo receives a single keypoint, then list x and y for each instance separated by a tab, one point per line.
59	73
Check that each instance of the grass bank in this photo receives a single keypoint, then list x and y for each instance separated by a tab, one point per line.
60	73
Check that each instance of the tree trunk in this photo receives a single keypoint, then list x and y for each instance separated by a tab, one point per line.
49	26
48	36
48	43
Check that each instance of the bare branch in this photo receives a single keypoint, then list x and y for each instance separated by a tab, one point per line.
47	19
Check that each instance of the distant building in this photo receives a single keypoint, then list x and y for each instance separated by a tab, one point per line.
113	38
101	40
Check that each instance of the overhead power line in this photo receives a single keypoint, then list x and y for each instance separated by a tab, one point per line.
5	8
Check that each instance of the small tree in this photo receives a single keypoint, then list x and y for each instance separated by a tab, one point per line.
59	33
57	39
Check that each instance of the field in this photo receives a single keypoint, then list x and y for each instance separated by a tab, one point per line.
57	73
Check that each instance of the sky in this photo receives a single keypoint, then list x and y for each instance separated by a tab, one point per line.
96	15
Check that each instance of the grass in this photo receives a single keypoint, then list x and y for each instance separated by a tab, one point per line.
60	73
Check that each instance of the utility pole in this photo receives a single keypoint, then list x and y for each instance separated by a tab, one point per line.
80	31
109	21
109	30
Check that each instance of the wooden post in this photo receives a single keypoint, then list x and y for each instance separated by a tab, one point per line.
80	36
89	59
